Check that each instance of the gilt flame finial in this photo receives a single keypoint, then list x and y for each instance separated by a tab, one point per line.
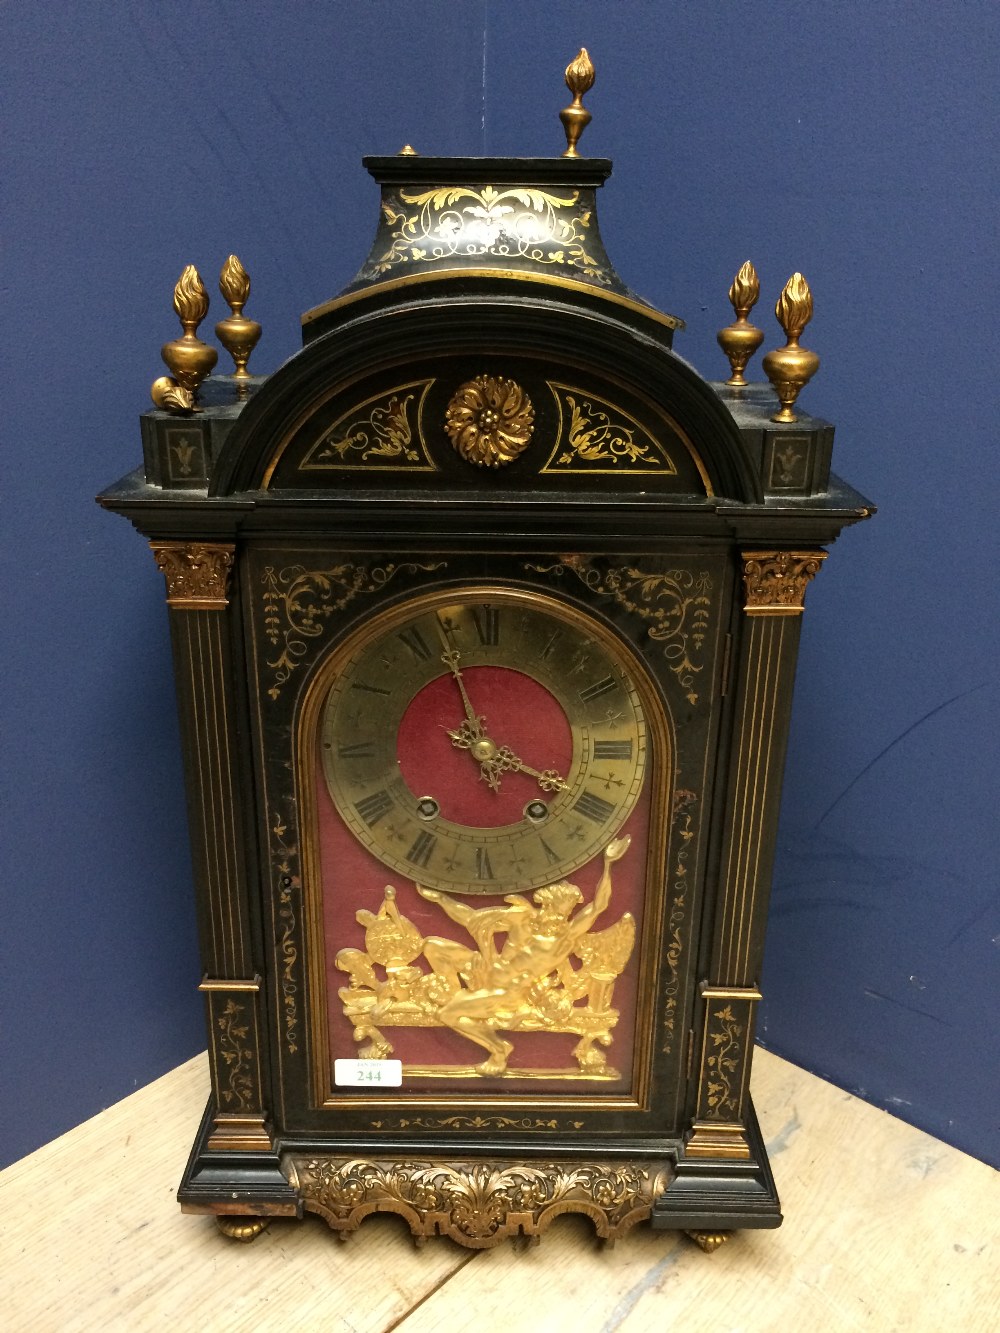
791	367
187	357
234	284
745	291
238	334
739	341
190	299
580	75
794	308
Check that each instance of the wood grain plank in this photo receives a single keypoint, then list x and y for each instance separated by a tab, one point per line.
92	1238
901	1234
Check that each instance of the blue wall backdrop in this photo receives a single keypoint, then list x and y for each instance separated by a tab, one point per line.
848	140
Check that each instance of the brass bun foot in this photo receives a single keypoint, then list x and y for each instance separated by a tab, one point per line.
709	1240
244	1229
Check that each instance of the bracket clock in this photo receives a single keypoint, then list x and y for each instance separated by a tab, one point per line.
485	609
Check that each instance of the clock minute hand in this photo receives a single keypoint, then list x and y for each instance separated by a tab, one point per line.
471	735
451	659
508	762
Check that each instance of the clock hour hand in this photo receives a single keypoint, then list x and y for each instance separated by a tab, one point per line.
471	736
494	760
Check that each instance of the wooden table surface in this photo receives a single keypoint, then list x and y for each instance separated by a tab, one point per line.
900	1235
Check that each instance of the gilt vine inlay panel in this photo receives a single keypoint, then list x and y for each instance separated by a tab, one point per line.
723	1062
684	809
597	436
380	434
546	227
232	1027
675	604
298	603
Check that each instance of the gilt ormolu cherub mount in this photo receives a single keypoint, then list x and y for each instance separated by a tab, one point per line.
552	973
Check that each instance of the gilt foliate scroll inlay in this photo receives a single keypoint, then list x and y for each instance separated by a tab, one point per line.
234	1045
286	898
298	604
545	227
481	989
380	434
676	605
776	581
197	573
231	1044
726	1046
287	905
183	453
685	805
723	1064
289	889
592	437
464	1122
490	421
596	436
476	1203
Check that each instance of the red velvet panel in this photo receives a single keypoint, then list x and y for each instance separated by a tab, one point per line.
531	722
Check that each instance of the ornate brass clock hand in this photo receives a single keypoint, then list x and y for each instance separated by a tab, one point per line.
471	735
474	725
508	762
494	760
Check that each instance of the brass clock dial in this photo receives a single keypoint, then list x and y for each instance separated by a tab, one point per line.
484	742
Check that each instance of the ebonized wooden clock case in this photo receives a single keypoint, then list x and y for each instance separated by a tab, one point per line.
485	611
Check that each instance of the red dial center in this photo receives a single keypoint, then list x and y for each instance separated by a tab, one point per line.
521	717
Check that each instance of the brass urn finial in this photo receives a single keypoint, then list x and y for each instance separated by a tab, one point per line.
580	76
739	341
791	367
238	334
189	359
407	150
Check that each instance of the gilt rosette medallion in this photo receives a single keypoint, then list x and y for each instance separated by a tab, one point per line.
490	421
